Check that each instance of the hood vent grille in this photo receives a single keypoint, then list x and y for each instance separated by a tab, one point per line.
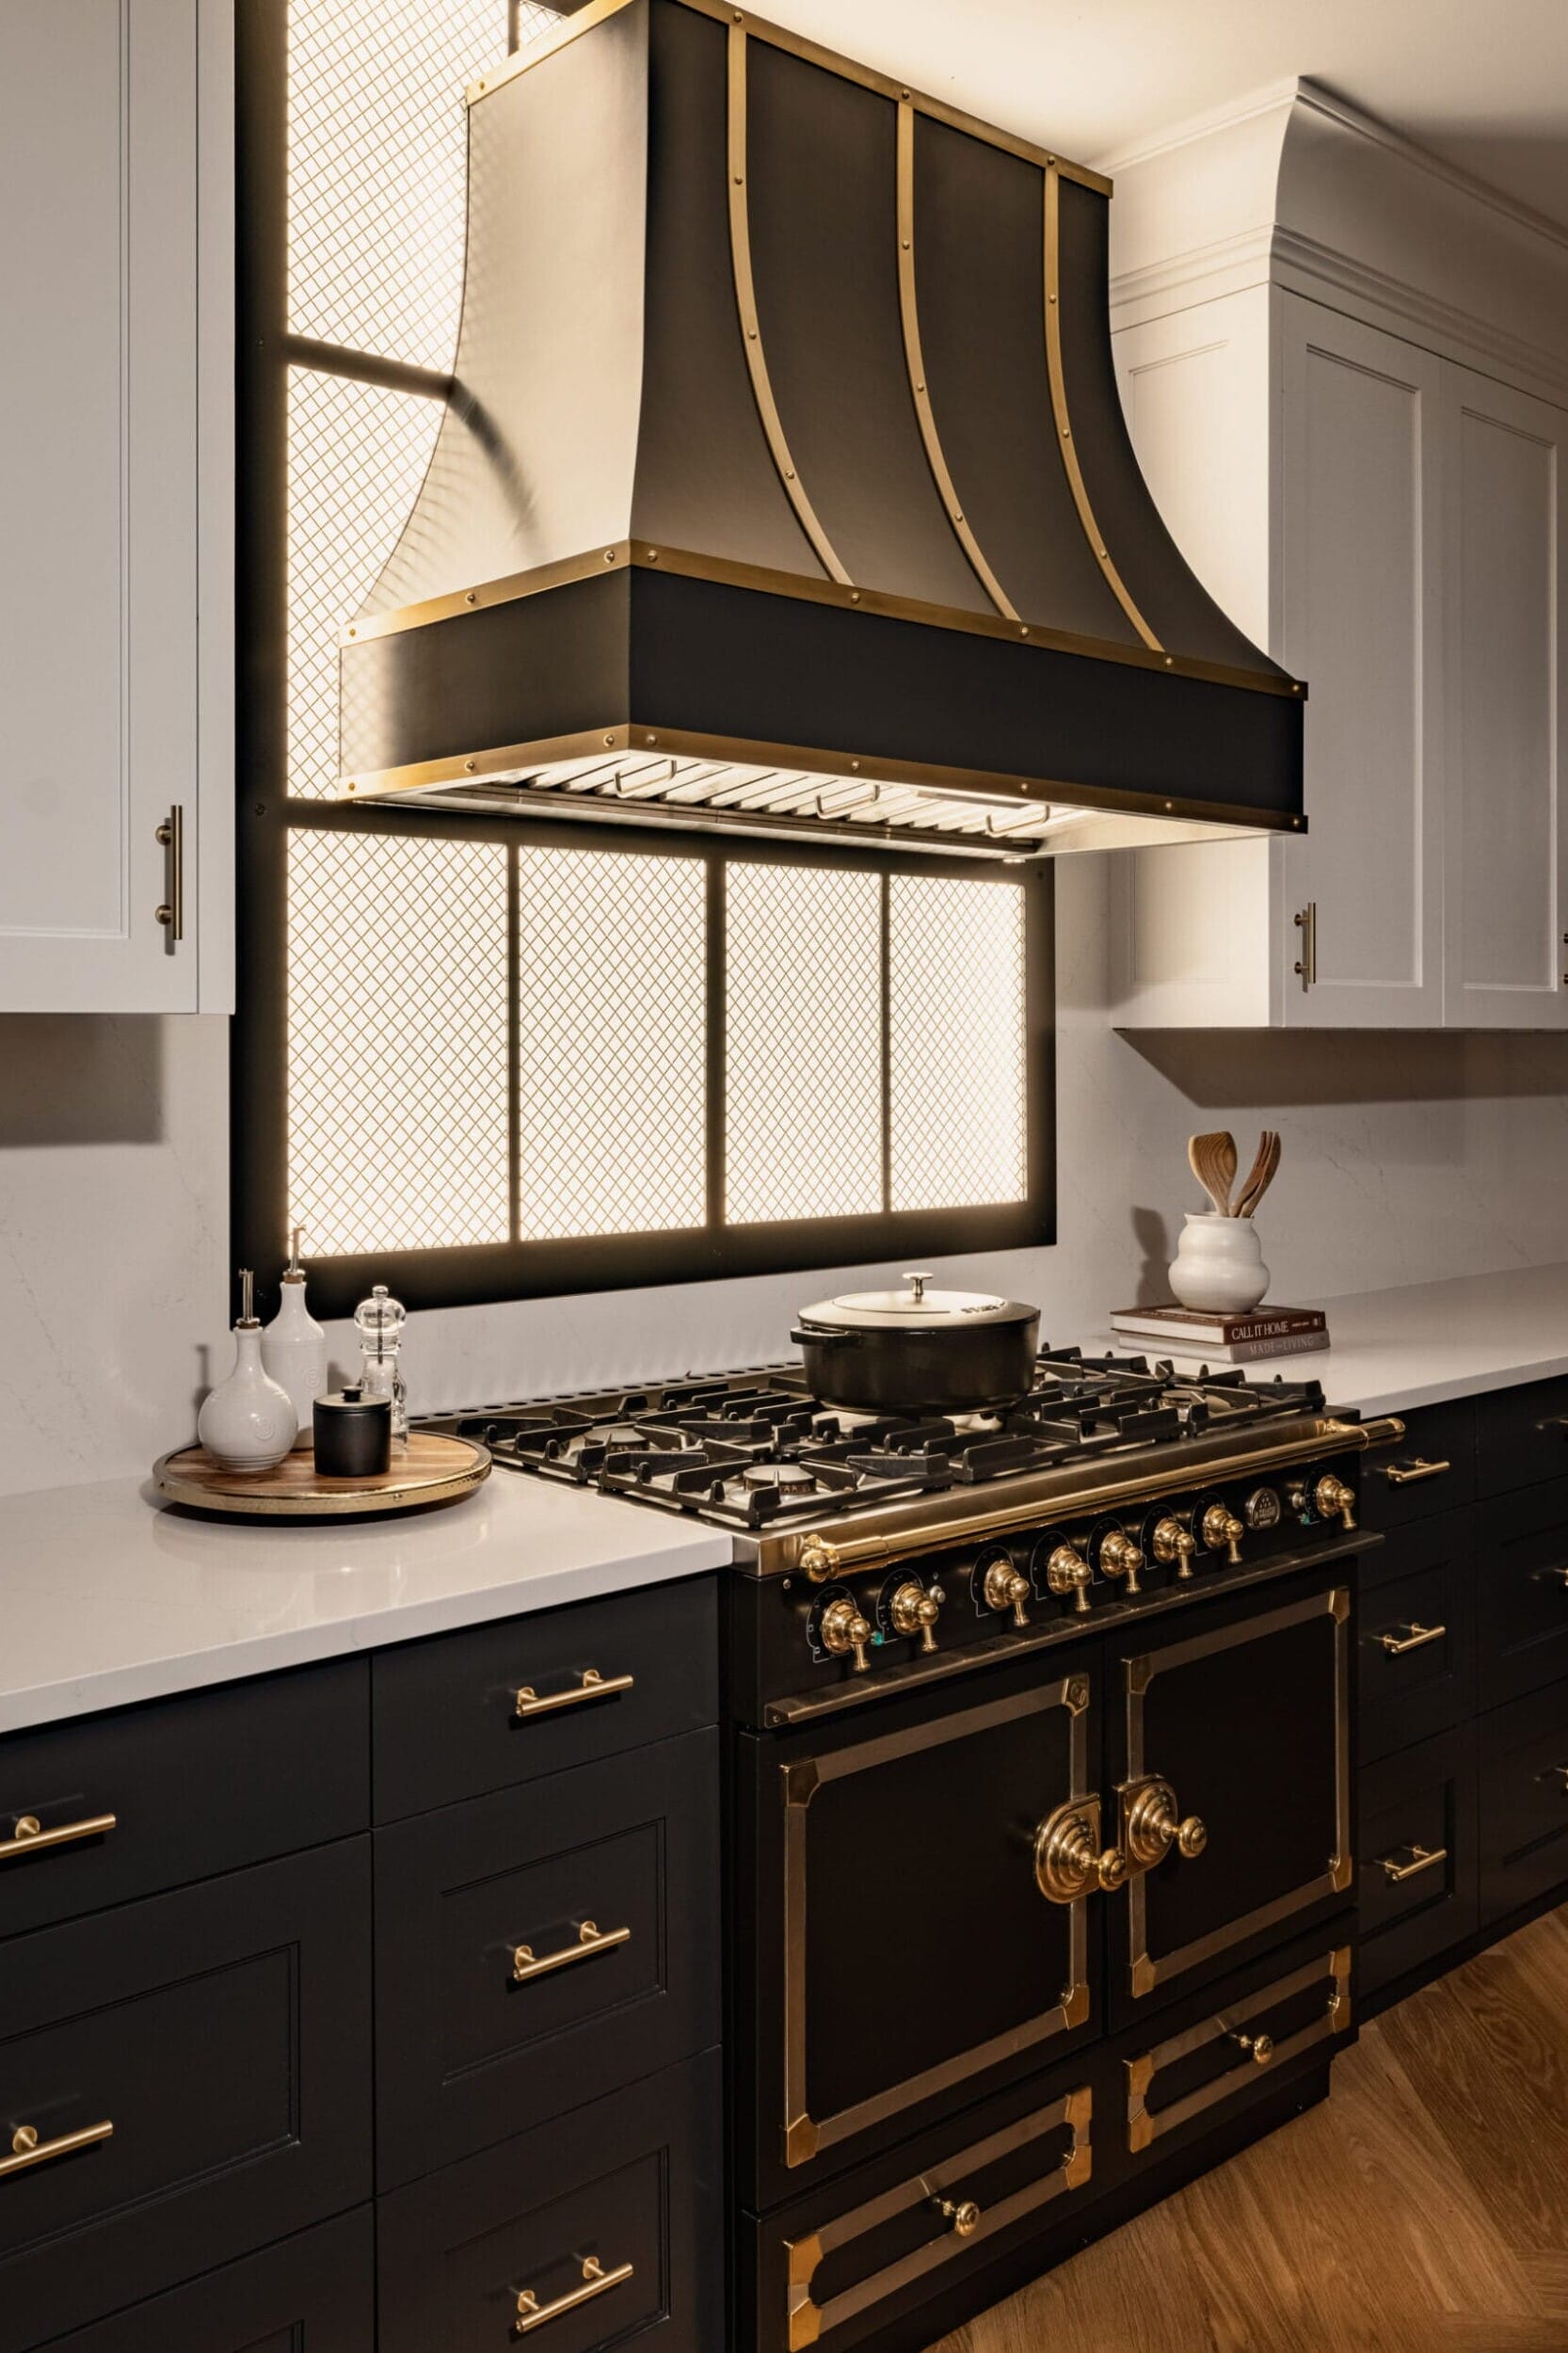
785	448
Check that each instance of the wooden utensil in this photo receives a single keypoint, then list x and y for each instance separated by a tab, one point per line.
1212	1159
1260	1176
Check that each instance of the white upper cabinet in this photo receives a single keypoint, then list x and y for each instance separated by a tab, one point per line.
1507	837
116	488
1389	523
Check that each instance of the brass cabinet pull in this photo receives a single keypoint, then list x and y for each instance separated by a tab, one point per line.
964	2218
1307	962
1152	1826
1069	1863
29	1837
1416	1638
1553	1421
593	1687
596	2282
1422	1859
1410	1474
27	2150
590	1940
1259	2048
171	833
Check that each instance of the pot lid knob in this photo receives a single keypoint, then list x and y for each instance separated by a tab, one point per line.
918	1282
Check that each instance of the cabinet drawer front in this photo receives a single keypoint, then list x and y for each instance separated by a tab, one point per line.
932	2217
1419	1857
602	1676
223	2033
1524	1801
1245	2038
543	1946
1521	1436
1522	1592
166	1774
1433	1471
631	2186
1417	1644
313	2293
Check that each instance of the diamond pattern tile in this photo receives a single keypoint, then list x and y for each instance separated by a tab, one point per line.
611	1043
357	456
956	1031
377	159
803	1106
397	1043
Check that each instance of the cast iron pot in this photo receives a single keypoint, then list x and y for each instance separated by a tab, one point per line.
918	1351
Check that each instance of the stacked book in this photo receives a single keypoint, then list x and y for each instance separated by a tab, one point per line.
1225	1339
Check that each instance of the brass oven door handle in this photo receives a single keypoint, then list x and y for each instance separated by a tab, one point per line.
1422	1859
591	1939
593	1686
28	1837
596	2282
1410	1474
1416	1638
27	2150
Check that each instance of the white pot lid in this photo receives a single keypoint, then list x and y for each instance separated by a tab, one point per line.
916	1308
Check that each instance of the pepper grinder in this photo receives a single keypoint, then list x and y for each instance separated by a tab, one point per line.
294	1347
380	1321
246	1422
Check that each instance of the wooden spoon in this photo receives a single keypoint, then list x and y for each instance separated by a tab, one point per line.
1261	1175
1212	1159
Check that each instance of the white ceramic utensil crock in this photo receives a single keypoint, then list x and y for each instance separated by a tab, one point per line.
1219	1264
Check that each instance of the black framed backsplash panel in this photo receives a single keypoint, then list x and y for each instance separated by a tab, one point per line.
259	1100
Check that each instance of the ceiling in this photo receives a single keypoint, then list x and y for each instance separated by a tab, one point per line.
1485	87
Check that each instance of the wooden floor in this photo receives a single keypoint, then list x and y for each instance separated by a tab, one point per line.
1422	2208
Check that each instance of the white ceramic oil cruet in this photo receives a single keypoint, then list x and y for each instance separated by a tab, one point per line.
294	1347
248	1422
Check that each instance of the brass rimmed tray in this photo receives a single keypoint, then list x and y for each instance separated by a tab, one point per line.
431	1468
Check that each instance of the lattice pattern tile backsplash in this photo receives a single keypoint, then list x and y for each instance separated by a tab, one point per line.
956	1042
397	1092
803	1044
612	995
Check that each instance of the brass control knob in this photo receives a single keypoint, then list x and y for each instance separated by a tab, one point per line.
843	1629
913	1611
1334	1500
1006	1588
1258	2047
965	2217
1153	1827
1172	1542
1121	1558
1067	1572
1222	1527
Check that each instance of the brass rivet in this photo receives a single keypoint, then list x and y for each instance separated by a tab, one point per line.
903	93
609	555
609	742
654	556
650	739
739	180
1104	558
1066	432
788	473
1023	629
350	784
920	388
906	245
1169	661
855	764
1170	804
854	596
469	765
351	633
1050	298
957	514
752	332
472	597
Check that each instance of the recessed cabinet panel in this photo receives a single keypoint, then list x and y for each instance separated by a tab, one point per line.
1508	861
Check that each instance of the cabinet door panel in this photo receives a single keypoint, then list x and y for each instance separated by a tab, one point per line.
1358	619
1508	861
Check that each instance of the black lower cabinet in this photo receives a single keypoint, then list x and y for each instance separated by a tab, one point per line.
1524	1801
313	2293
1419	1857
188	2078
605	2225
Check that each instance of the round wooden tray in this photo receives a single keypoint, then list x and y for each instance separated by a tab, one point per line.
431	1468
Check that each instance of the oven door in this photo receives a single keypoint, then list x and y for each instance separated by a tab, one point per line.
1230	1758
905	1958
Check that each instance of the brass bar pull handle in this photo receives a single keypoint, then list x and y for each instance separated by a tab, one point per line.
591	1939
1422	1859
29	1837
1417	1638
27	2150
1411	1474
171	833
596	2282
1307	962
593	1686
1553	1421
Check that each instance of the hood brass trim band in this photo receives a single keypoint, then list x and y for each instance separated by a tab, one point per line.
642	556
1063	423
831	61
909	314
751	330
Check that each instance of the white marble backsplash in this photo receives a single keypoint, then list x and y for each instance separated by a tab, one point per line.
1407	1158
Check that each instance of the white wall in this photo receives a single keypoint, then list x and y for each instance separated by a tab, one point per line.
1405	1159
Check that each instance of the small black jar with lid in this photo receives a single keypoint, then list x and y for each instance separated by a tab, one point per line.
352	1434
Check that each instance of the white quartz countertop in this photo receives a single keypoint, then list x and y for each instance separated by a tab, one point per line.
107	1597
1424	1342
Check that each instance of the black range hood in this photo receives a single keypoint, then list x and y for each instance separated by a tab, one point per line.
784	486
